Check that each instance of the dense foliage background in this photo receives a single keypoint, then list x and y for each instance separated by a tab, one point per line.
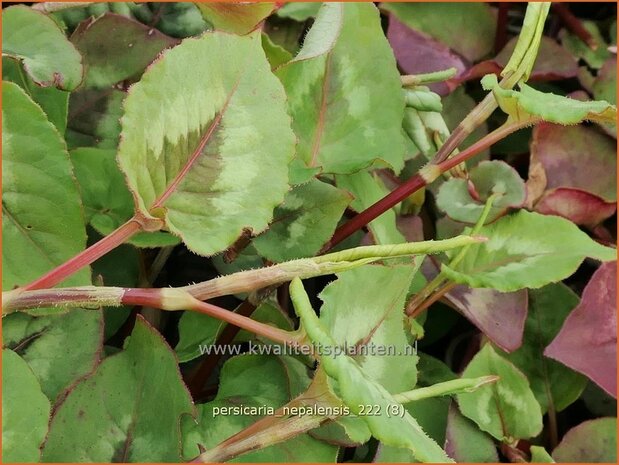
315	133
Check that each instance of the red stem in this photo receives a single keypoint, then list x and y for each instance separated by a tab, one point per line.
575	25
500	38
86	257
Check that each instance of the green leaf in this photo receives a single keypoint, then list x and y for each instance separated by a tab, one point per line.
276	54
107	201
554	385
45	342
367	188
345	122
580	50
260	383
467	28
36	40
41	208
206	143
357	389
54	102
111	416
364	308
539	455
508	409
299	11
132	44
25	411
528	104
526	250
487	178
593	441
465	442
303	222
235	18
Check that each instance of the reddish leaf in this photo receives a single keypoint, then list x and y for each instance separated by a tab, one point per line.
418	53
581	162
588	340
575	205
499	315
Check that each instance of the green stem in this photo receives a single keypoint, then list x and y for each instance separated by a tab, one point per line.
455	386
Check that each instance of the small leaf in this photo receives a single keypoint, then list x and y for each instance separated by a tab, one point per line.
587	341
471	25
132	44
109	416
261	384
526	250
358	389
580	50
235	18
555	386
539	455
333	97
303	222
528	103
465	442
508	409
25	411
368	188
201	137
605	85
486	179
54	102
36	40
593	441
364	308
107	201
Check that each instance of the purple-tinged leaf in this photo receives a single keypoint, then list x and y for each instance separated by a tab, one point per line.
605	85
132	44
567	163
587	341
464	442
578	206
593	441
418	53
499	315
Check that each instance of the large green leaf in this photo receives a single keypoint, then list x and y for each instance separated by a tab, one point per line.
526	250
528	103
131	44
44	343
467	28
364	308
41	208
35	39
25	411
303	223
508	410
54	102
554	385
593	441
107	201
235	18
367	189
343	120
206	140
357	389
258	384
128	410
